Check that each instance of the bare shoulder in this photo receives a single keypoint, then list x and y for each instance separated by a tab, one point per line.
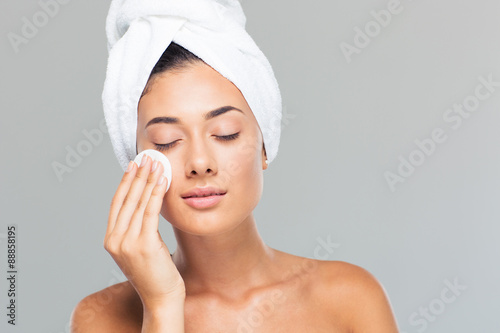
346	275
355	294
116	308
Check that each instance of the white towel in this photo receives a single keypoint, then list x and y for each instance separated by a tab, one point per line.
138	33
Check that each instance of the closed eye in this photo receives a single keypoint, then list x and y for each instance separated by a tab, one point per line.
228	137
166	146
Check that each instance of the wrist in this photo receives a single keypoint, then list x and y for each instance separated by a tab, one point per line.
173	301
164	317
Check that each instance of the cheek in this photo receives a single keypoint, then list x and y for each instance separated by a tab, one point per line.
249	183
244	171
246	153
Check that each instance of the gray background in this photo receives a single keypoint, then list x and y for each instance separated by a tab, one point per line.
345	124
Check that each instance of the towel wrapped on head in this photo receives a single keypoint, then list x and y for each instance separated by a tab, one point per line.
139	31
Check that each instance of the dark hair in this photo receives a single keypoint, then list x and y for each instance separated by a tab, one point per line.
174	59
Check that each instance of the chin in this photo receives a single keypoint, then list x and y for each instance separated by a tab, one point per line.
206	225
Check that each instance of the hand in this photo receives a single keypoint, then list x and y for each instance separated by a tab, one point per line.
133	240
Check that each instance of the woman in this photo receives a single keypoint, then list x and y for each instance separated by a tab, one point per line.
222	276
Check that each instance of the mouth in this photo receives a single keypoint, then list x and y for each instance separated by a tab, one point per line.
204	201
204	195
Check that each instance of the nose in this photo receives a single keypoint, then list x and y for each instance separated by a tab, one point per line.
200	160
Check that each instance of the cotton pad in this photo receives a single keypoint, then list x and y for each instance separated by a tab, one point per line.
157	156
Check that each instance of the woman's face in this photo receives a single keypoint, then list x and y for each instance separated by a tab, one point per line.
198	155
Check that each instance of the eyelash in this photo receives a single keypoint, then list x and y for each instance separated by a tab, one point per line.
166	146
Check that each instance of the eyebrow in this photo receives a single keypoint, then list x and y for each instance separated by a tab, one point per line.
209	115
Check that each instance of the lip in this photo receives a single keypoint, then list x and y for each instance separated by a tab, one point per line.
204	202
211	197
199	191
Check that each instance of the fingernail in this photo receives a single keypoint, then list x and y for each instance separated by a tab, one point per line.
129	167
143	161
155	164
161	179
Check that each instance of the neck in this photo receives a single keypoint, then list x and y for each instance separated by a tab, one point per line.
228	264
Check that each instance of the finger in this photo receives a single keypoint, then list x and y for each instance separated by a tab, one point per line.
153	209
138	215
132	197
121	192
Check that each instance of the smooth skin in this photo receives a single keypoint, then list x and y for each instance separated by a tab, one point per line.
222	276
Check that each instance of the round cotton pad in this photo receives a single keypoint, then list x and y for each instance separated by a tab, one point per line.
157	156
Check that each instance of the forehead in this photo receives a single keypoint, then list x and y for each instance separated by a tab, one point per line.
190	93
